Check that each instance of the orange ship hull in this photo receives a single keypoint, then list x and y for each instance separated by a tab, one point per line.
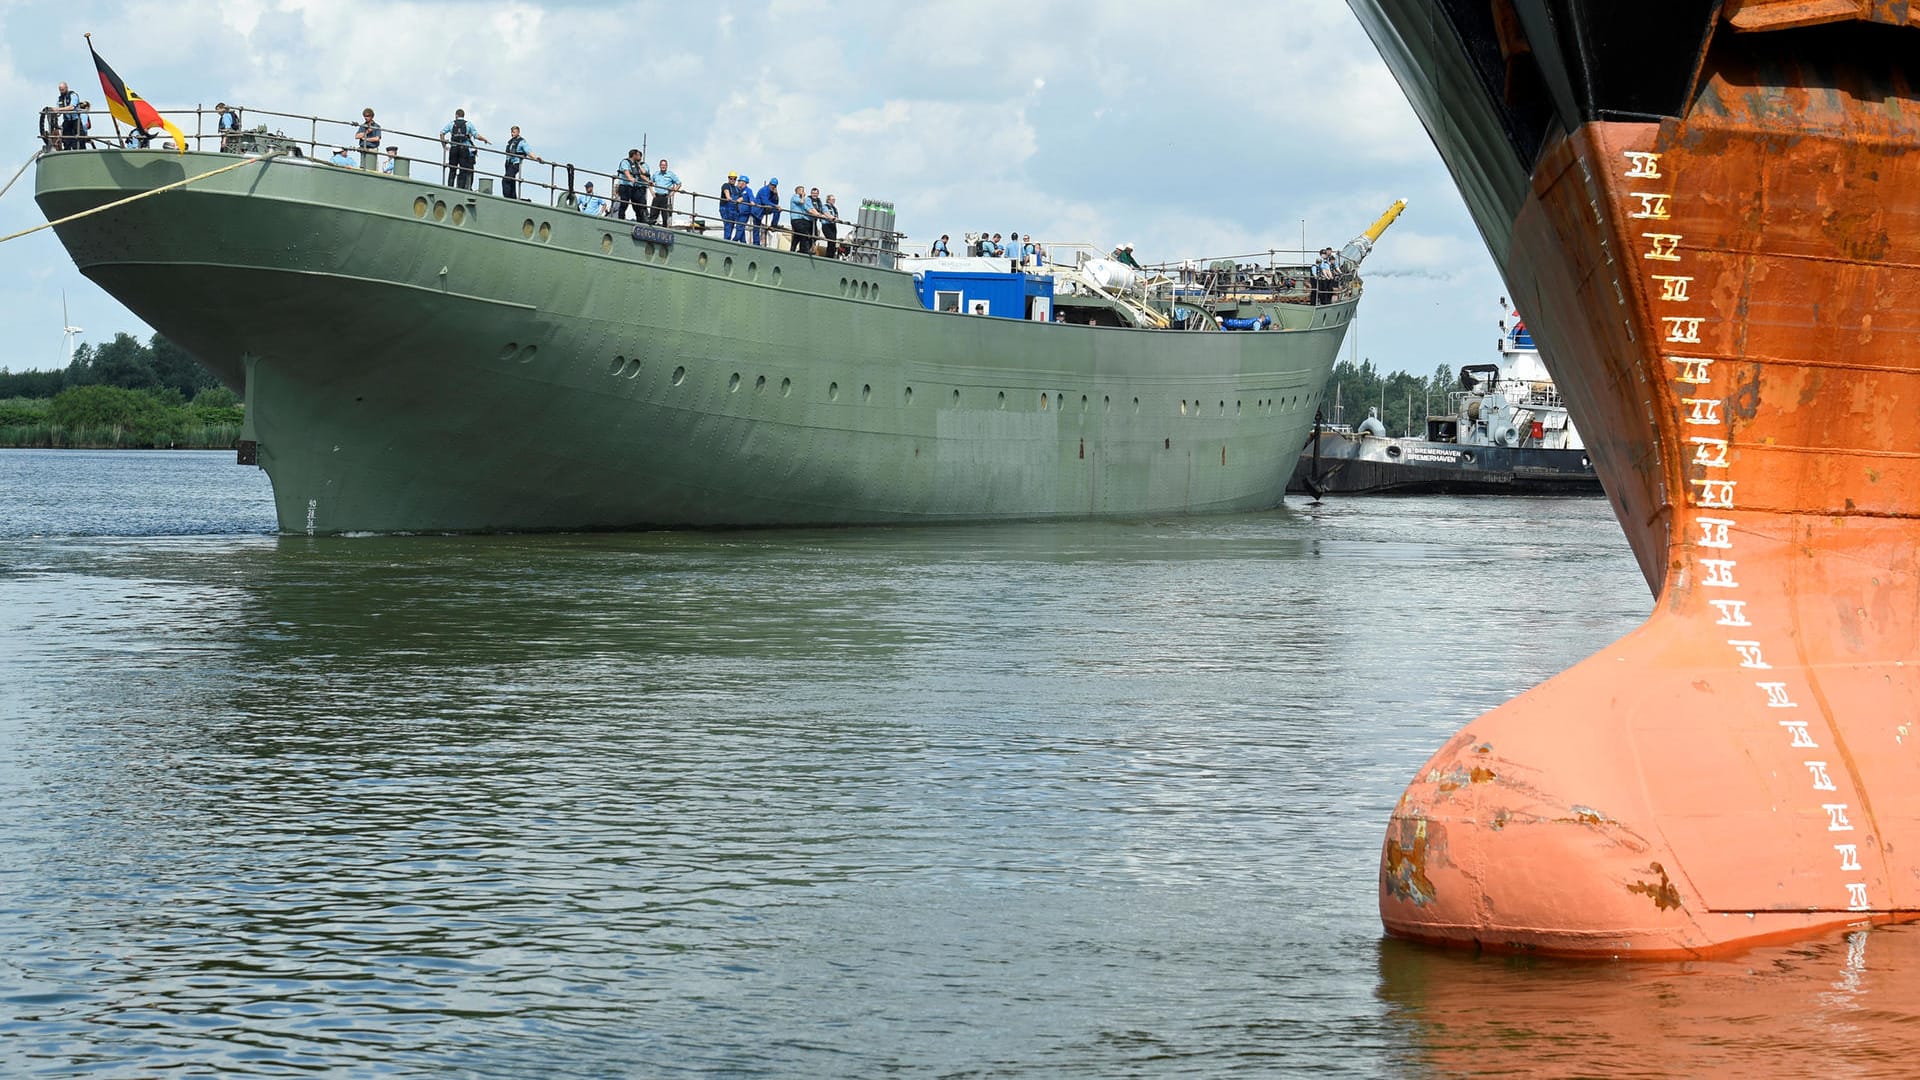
1730	300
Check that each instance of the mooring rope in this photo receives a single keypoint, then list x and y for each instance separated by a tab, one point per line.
22	169
131	198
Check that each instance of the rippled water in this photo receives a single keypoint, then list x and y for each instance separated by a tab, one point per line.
1028	800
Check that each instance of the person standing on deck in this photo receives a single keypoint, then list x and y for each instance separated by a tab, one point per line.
366	136
630	186
729	193
458	138
766	204
517	152
391	161
666	183
802	220
69	105
589	203
939	250
228	122
830	228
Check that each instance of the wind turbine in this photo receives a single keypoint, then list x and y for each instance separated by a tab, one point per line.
69	329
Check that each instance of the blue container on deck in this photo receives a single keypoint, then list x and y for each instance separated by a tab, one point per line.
1000	295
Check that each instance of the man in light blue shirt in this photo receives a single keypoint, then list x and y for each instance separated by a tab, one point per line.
517	152
340	158
589	203
459	137
802	214
665	183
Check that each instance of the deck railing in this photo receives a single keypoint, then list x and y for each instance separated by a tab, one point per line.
427	157
1284	275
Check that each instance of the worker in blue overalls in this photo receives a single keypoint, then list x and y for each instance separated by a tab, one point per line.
766	205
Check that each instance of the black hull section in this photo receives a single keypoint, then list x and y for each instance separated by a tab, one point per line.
1416	467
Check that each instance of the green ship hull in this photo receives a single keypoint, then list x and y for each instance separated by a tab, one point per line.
419	358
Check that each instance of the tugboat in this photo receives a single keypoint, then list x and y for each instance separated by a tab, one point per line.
1506	432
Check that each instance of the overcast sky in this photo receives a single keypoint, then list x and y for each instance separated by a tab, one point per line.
1190	130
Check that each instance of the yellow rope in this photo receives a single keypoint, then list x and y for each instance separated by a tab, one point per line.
135	198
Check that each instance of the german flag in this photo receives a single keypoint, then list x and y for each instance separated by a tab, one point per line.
130	108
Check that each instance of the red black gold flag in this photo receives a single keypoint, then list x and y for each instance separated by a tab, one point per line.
130	108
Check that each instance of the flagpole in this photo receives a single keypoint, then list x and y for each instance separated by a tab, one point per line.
118	142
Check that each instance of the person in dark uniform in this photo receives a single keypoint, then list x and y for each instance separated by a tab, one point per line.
630	186
366	136
458	137
69	105
517	152
729	206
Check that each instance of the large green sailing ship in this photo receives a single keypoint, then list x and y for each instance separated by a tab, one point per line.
416	357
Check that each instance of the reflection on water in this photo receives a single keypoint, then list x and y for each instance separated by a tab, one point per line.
1089	799
1845	1005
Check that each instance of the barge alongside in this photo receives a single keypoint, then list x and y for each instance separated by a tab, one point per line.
1705	209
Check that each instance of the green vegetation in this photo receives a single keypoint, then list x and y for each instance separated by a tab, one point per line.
121	395
1362	387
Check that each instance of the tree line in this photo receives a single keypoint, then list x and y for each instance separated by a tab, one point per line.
121	394
1403	399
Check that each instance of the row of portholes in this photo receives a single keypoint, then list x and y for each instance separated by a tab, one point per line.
865	290
543	231
439	210
513	350
627	367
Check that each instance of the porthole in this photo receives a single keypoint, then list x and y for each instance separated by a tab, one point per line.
1393	451
1003	399
618	363
1106	402
776	275
1467	456
843	286
733	383
648	251
866	392
1043	403
701	262
760	385
507	351
679	375
1136	405
526	228
1083	403
420	205
1183	406
1223	408
459	214
439	210
909	395
726	266
633	368
864	289
606	243
528	352
786	387
956	398
833	391
753	271
546	232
